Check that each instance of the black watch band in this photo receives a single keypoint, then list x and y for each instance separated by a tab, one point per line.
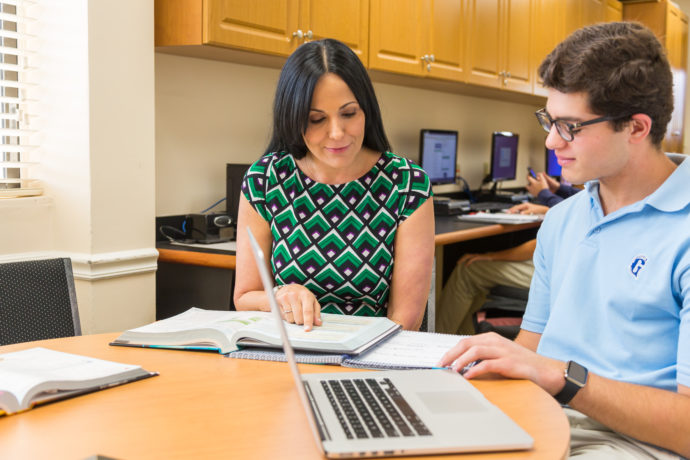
575	379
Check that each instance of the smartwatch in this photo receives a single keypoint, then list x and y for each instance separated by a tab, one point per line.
575	378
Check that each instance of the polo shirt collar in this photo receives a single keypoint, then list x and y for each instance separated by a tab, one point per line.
673	195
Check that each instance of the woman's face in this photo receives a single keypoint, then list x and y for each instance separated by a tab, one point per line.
335	129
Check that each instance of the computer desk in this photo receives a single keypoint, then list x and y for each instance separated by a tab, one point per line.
206	406
448	230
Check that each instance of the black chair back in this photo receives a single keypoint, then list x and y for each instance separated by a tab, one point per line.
37	301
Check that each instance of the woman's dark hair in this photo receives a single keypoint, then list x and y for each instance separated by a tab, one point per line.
622	68
296	86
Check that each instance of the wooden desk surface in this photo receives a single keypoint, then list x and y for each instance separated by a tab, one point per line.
448	230
203	405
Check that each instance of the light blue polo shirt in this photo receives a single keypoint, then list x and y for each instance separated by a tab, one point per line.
613	292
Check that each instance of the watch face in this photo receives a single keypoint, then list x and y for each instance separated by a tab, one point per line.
577	372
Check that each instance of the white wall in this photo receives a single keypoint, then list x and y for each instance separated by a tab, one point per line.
209	113
96	134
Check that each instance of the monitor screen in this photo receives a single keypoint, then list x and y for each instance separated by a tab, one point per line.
234	176
504	147
553	169
438	152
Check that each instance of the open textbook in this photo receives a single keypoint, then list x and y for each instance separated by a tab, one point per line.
226	331
405	350
39	375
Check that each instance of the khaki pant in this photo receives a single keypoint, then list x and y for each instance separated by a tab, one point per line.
590	440
466	290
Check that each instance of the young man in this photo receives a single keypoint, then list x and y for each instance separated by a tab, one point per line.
609	302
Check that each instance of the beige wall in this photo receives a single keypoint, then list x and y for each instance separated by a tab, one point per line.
210	113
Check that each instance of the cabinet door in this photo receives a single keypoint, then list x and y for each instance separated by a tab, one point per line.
260	25
547	32
344	20
446	41
397	35
593	11
572	16
614	11
484	64
517	64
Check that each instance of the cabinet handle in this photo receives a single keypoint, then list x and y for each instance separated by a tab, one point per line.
309	35
424	58
299	34
432	58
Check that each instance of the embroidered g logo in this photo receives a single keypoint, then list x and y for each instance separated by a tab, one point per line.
637	264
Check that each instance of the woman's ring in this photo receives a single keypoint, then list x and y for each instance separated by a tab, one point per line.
287	311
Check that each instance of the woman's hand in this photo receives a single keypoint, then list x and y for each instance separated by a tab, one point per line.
298	305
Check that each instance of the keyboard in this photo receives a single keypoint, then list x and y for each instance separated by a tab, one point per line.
490	206
368	408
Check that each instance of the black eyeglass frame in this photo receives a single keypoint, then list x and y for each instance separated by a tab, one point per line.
543	117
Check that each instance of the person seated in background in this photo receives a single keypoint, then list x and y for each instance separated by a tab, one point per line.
547	190
349	226
607	325
475	274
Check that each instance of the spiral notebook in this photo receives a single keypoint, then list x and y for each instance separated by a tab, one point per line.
404	350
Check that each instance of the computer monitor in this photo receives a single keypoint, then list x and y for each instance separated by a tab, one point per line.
552	167
235	174
438	151
504	148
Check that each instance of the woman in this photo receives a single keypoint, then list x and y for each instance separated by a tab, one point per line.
331	204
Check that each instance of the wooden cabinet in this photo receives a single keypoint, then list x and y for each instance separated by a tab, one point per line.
266	26
613	11
547	32
670	25
490	43
556	19
498	52
263	25
344	20
418	37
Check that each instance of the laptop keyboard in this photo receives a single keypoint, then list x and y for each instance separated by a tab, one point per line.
368	408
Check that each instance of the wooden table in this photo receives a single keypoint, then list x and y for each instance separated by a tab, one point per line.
448	230
206	406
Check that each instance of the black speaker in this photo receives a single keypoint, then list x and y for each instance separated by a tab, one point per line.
234	176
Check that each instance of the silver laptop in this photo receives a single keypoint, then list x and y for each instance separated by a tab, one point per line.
384	413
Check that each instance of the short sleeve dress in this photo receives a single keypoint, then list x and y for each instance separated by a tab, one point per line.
337	240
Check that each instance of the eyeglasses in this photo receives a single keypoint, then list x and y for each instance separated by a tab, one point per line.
566	129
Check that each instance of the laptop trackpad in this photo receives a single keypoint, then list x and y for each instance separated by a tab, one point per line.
444	402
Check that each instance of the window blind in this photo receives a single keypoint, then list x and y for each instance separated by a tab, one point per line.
17	92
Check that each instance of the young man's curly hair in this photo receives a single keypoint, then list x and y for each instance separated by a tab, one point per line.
622	68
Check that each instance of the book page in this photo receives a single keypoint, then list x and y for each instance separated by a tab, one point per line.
197	318
22	371
334	328
407	349
337	334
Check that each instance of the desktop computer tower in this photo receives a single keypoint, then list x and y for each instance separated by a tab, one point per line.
234	175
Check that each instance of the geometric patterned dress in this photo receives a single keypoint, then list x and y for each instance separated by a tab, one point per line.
336	240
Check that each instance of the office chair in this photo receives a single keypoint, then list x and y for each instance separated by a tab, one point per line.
37	301
502	312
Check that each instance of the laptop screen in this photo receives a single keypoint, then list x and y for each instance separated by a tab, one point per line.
267	282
